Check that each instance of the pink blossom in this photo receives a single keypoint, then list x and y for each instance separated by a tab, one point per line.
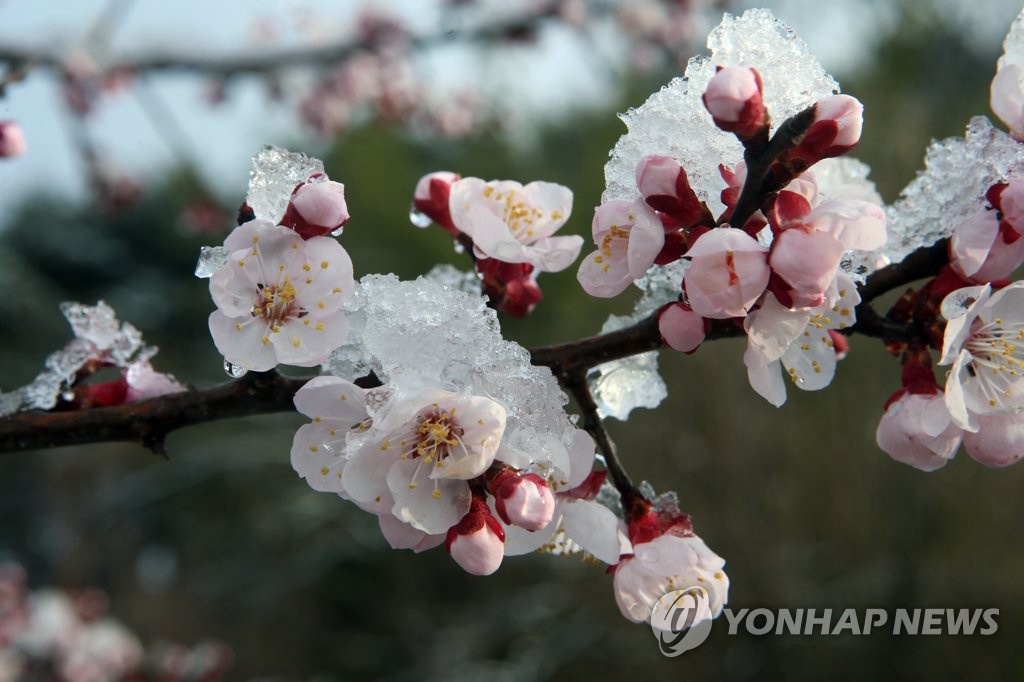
1007	93
417	459
681	328
477	541
999	440
578	523
984	341
733	98
982	249
431	198
317	207
12	139
512	287
629	237
664	186
335	406
279	298
145	382
918	430
674	560
728	273
799	341
807	250
515	224
836	129
523	500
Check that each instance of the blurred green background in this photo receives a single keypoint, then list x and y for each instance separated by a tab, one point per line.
224	541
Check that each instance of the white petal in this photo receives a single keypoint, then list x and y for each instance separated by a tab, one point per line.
811	360
770	331
593	527
312	461
330	397
307	342
432	506
240	341
581	457
768	383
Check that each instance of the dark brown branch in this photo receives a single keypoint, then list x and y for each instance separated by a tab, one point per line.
593	423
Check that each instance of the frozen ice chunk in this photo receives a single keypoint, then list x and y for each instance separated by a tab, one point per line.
453	278
673	121
211	259
952	186
275	173
620	386
99	338
11	402
662	284
423	334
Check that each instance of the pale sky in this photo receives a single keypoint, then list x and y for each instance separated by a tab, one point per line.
555	77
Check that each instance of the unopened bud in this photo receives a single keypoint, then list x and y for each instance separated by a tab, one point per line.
523	500
316	209
733	98
477	542
431	198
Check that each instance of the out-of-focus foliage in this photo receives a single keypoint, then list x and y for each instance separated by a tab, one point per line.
224	541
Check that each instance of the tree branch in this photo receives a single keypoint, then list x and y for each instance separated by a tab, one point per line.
148	422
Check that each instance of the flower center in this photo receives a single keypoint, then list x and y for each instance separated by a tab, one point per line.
435	435
998	358
276	302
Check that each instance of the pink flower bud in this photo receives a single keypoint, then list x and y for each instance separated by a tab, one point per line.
681	328
316	208
836	129
728	272
523	500
918	430
999	441
733	97
983	248
664	186
477	542
12	139
431	198
512	287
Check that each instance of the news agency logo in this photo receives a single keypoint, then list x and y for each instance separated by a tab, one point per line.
681	620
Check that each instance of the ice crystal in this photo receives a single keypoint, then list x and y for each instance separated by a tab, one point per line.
275	173
211	259
620	386
674	121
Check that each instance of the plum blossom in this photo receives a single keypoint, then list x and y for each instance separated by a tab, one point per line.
681	328
810	242
417	458
728	273
522	499
317	207
999	440
918	430
335	406
629	236
1007	90
666	556
988	245
515	224
578	523
984	342
802	340
733	97
477	541
279	298
431	196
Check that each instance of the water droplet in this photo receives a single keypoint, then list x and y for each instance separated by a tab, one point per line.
338	232
418	217
68	396
459	248
233	370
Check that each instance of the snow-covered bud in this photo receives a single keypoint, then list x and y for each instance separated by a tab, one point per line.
999	441
431	199
836	129
523	500
12	139
733	97
681	328
918	430
664	186
729	271
477	542
316	208
1008	98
